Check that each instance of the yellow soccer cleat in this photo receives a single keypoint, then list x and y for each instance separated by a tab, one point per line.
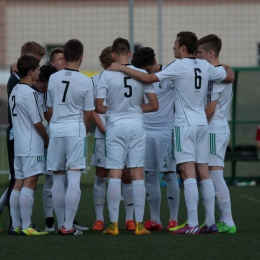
140	229
112	229
33	231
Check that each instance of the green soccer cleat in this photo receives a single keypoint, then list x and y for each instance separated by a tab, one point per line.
178	227
219	224
33	231
224	228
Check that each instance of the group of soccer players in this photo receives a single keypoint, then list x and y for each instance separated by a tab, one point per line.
148	117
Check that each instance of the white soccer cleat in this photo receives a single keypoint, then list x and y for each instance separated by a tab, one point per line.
50	229
80	228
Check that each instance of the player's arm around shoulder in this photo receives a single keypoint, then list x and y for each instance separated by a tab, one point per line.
230	78
219	74
152	105
136	74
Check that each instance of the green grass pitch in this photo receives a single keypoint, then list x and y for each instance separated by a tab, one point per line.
158	245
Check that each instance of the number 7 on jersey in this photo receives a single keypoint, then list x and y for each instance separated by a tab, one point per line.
66	89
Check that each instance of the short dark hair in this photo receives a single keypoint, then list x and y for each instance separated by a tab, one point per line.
121	46
32	48
190	40
73	49
105	57
211	42
25	64
143	56
55	51
45	72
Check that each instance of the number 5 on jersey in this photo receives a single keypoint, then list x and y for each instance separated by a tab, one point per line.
66	89
129	93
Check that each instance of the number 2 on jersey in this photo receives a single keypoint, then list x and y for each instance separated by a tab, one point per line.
197	78
130	91
13	99
66	89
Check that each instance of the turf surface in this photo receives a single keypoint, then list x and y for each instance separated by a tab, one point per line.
158	245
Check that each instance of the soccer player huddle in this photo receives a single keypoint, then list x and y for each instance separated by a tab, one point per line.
149	119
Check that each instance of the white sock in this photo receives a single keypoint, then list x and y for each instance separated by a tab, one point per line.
113	198
99	194
139	199
58	197
47	196
15	208
222	197
72	197
3	200
26	206
173	194
191	198
128	200
208	197
153	194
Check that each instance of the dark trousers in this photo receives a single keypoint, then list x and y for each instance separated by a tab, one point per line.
10	150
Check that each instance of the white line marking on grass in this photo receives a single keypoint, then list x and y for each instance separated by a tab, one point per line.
249	198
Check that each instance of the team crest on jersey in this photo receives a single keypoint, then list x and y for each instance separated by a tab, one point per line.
68	73
160	86
99	160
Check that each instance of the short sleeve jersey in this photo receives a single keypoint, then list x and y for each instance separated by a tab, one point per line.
13	80
124	97
25	112
223	94
190	77
70	93
98	133
163	119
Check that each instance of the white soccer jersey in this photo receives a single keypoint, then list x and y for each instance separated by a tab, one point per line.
163	119
98	133
42	100
190	77
124	96
70	93
223	93
25	112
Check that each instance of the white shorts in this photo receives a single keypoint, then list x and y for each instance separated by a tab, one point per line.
27	166
98	157
66	153
125	145
159	155
217	146
191	144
